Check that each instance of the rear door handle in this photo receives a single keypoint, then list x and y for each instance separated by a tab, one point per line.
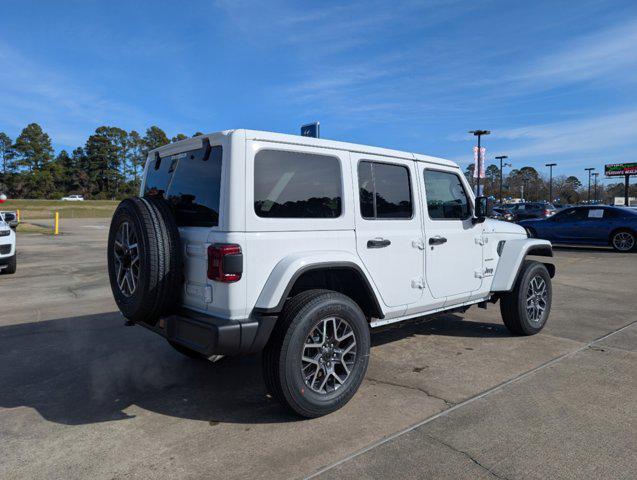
437	240
378	243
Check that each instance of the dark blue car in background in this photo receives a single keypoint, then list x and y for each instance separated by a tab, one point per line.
590	225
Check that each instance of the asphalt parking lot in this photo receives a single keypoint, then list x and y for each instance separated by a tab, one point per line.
455	396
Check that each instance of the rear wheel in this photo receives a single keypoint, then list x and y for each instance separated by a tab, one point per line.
144	259
318	353
526	308
623	240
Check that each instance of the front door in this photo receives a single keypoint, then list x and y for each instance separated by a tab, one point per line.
388	226
453	243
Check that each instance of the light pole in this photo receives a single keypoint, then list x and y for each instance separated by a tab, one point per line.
589	170
550	165
595	175
502	157
479	133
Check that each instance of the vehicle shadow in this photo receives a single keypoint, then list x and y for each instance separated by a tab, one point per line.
90	369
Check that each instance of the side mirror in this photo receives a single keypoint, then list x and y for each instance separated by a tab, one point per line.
481	209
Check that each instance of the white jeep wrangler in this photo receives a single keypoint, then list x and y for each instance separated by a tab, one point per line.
245	241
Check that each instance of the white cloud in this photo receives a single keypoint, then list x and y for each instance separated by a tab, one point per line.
610	55
589	135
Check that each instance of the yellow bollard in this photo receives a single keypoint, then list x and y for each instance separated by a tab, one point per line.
18	215
56	225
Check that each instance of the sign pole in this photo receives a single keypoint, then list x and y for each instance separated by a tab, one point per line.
626	184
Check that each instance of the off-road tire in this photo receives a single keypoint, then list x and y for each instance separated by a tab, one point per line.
282	354
12	265
623	231
513	304
160	259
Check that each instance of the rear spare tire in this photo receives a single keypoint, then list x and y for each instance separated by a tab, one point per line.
144	259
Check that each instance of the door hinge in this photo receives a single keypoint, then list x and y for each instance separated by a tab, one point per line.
419	244
418	283
482	240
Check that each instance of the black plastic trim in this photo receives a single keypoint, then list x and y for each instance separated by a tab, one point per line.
205	143
320	266
212	335
541	250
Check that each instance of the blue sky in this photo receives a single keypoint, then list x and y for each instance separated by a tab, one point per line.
556	81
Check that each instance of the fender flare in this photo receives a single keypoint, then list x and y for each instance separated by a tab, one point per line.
511	258
284	275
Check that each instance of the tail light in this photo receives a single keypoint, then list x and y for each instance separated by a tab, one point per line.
225	262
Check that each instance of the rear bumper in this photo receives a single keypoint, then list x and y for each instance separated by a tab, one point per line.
211	335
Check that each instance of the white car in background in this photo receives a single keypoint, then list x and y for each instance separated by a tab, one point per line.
8	262
73	198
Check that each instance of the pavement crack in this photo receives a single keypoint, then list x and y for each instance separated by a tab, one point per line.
419	389
469	456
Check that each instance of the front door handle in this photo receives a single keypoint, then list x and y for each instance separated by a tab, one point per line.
378	243
437	240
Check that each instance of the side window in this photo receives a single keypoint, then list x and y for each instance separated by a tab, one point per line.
564	215
384	190
296	185
446	196
596	213
608	213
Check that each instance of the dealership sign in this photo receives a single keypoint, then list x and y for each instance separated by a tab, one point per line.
620	169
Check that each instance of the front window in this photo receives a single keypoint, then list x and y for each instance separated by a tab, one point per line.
446	197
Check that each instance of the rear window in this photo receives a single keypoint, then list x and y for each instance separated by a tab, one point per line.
191	182
296	185
384	191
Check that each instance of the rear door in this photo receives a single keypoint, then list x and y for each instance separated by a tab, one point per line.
453	243
595	225
388	226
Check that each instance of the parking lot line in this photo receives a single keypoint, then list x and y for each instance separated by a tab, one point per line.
470	400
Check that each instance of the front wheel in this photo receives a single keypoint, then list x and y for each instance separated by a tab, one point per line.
318	353
526	308
623	241
12	265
